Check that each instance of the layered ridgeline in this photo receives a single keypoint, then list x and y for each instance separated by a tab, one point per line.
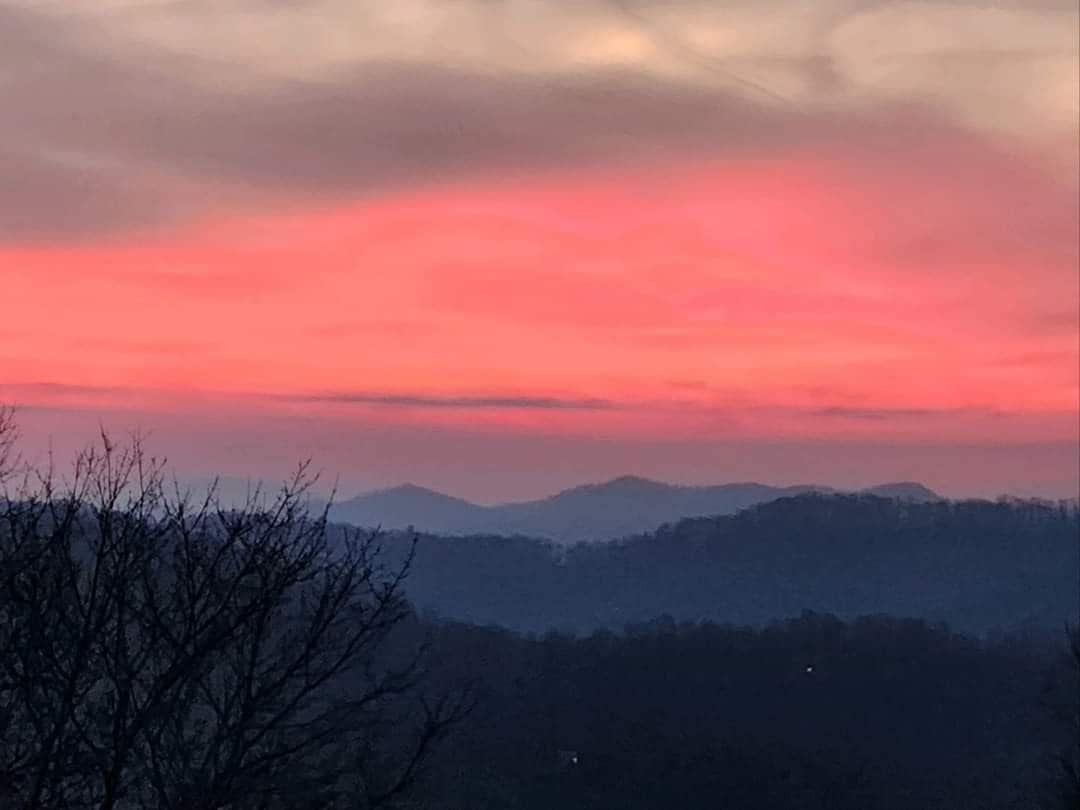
975	565
607	511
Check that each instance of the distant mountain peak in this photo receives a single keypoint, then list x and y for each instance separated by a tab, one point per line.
626	485
410	489
407	494
904	490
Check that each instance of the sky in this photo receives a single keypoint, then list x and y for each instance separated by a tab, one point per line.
500	247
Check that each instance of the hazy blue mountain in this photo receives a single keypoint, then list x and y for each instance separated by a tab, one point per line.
409	505
976	565
904	491
606	511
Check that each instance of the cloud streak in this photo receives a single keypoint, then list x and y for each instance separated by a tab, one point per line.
460	402
885	414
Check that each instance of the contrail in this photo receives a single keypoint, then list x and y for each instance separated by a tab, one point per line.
674	43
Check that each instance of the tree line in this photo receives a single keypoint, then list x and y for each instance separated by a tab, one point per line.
810	713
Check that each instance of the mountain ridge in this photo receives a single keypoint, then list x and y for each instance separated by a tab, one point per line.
977	565
606	510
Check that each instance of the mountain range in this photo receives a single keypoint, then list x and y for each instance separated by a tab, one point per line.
623	506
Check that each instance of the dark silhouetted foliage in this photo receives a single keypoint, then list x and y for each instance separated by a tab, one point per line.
157	652
807	713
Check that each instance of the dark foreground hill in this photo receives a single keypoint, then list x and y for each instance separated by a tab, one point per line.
975	565
617	508
808	714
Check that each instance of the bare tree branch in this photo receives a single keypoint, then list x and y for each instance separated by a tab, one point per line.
160	651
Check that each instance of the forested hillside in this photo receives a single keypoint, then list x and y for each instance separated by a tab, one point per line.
811	713
976	565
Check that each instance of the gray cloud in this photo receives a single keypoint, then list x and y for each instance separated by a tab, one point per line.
100	138
38	198
32	390
98	144
883	414
13	392
467	402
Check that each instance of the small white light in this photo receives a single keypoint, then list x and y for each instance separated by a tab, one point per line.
809	670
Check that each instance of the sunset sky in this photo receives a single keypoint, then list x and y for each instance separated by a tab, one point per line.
500	247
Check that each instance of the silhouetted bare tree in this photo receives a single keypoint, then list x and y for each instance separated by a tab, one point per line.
8	434
157	651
